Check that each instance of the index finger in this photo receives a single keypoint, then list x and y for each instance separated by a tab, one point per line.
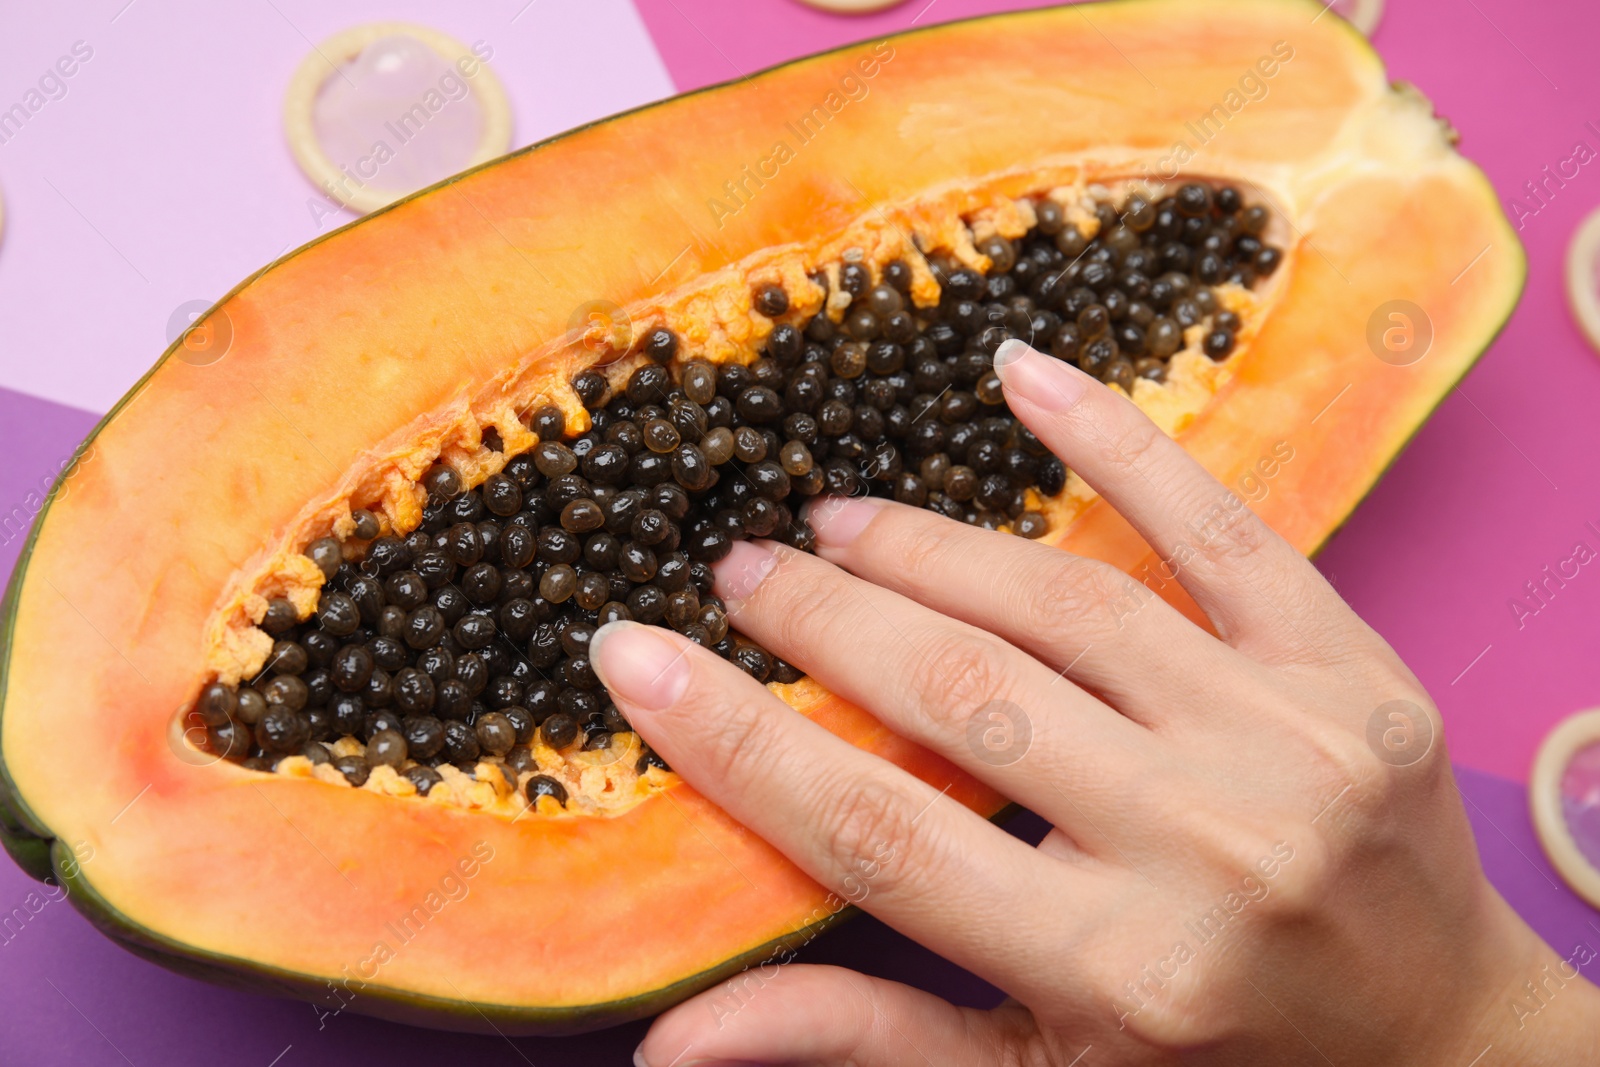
866	829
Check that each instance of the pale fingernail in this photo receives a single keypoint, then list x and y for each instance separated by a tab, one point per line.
744	568
1044	381
839	520
639	665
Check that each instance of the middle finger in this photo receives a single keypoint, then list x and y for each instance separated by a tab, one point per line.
963	693
1081	616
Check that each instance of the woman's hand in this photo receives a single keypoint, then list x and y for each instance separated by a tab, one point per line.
1259	853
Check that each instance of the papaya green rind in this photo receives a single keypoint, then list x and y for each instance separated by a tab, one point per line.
399	1005
30	853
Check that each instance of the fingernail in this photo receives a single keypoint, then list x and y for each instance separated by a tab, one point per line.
744	568
1044	381
839	520
639	665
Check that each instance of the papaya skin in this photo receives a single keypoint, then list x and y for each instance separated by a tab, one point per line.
472	282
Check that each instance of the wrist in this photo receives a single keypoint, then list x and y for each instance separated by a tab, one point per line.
1535	1005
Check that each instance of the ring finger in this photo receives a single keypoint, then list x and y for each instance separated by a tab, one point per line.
874	834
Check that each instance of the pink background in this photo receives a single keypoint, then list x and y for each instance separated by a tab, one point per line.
161	177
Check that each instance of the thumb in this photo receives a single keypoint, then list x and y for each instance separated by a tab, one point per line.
814	1014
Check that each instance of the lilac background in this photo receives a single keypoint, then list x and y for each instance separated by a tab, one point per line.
161	177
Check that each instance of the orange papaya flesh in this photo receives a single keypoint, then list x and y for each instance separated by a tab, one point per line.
358	361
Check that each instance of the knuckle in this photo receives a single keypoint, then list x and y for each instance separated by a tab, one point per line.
1375	760
968	671
1263	866
733	741
1130	443
1341	756
922	551
1170	1016
1268	874
810	604
1401	750
1435	759
1225	529
1303	878
1343	776
870	819
1082	596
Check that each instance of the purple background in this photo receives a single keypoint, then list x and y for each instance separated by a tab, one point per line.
161	177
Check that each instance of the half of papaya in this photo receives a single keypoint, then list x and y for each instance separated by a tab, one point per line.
356	366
